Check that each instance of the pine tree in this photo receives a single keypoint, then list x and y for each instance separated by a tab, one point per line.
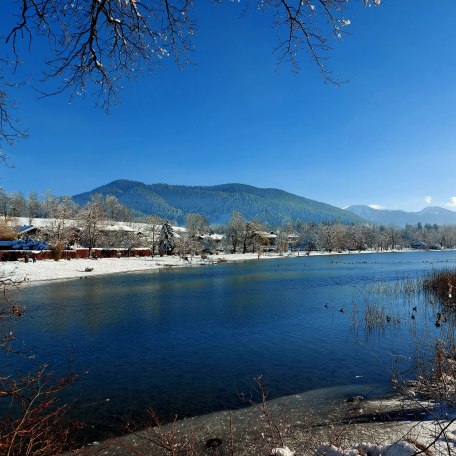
166	244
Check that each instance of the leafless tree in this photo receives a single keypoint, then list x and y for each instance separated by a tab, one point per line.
287	237
282	242
10	132
328	237
154	224
49	204
5	204
183	246
93	45
234	231
196	225
123	236
18	205
33	207
91	217
251	237
61	227
115	210
308	236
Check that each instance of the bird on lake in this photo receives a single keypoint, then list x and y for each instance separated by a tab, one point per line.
341	310
414	308
440	318
413	317
326	305
388	318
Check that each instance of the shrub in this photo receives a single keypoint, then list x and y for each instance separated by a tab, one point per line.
7	232
443	284
57	250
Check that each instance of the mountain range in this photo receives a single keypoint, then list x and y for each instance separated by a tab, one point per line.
429	215
217	203
267	205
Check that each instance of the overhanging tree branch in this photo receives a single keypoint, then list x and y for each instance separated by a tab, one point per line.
95	44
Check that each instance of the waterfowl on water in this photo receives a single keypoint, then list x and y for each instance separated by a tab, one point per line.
440	317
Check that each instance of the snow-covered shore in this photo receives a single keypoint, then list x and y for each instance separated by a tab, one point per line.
336	430
46	270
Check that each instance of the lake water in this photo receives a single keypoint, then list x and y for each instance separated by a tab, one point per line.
187	341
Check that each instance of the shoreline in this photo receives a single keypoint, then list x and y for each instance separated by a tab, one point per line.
249	426
44	271
308	422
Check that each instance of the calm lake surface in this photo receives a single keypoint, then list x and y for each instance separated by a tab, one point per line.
187	341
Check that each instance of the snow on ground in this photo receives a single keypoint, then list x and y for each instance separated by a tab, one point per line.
436	438
304	434
401	448
44	270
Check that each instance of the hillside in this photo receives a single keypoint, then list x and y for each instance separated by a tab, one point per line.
217	203
431	215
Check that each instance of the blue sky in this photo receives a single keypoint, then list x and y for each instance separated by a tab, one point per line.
387	137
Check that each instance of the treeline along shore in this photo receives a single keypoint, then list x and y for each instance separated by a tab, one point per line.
64	229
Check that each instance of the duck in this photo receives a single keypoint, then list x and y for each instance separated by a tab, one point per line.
440	317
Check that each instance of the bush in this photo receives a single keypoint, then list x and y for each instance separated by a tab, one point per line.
443	284
57	250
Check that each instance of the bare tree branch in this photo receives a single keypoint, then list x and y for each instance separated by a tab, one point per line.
95	44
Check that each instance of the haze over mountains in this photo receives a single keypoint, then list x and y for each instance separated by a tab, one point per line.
429	215
217	203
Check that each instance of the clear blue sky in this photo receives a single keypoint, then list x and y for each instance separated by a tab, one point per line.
387	137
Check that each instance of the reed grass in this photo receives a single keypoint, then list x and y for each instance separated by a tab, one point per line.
442	284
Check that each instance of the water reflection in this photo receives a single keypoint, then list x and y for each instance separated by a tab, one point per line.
187	341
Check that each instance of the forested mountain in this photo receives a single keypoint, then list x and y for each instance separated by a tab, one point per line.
217	203
429	215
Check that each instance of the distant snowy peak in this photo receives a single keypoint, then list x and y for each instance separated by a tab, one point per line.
435	210
429	215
